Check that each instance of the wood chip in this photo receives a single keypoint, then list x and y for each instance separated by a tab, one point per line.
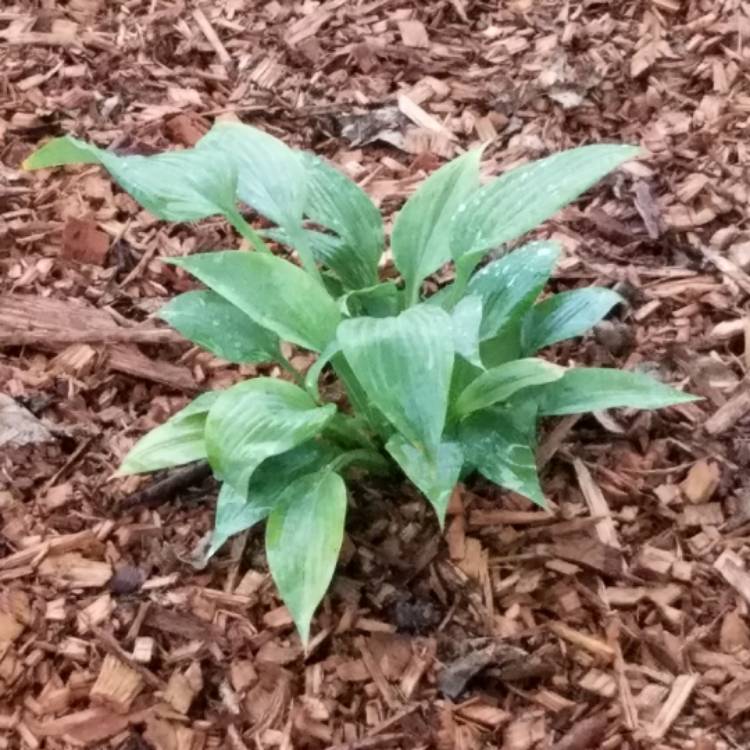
212	37
414	34
84	242
376	673
728	415
732	568
95	613
583	640
705	514
679	695
183	687
73	570
143	649
600	683
735	633
117	685
654	562
701	482
605	528
422	118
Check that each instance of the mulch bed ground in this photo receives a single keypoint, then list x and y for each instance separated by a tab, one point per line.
618	619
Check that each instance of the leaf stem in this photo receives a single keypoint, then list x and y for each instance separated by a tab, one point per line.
299	242
312	377
412	294
291	369
371	459
349	430
463	274
236	219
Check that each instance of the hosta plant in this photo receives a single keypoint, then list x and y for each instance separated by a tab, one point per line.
436	387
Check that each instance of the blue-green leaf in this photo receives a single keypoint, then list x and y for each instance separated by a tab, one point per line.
564	316
420	242
179	440
271	176
176	186
61	151
379	301
312	376
237	511
219	326
434	478
466	320
500	383
404	365
500	445
523	198
304	534
340	205
503	347
256	419
276	294
358	398
509	286
328	249
584	389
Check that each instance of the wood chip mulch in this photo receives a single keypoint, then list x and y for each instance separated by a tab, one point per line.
618	619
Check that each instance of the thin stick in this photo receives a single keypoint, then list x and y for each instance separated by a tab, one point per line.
211	36
165	489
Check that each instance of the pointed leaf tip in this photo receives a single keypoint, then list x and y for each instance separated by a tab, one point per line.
585	389
304	534
524	197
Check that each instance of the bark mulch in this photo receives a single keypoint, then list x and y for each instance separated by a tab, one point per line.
617	619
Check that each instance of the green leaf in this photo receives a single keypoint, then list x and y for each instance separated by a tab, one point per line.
219	326
179	440
271	176
304	534
275	293
351	431
463	374
584	389
500	383
237	511
466	319
312	376
504	347
443	297
523	198
61	151
509	286
358	398
499	444
420	241
328	249
434	478
175	186
404	365
379	301
256	419
340	205
564	316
